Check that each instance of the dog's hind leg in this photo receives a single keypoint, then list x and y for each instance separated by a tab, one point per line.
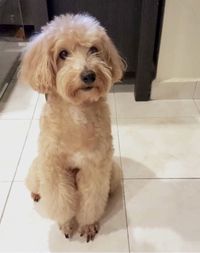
32	181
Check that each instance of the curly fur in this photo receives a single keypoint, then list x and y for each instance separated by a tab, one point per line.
74	171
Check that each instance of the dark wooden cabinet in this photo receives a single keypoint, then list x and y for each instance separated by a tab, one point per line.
120	18
133	25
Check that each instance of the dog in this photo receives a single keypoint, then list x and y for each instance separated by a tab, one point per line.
75	63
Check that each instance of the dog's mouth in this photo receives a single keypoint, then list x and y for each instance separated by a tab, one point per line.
87	88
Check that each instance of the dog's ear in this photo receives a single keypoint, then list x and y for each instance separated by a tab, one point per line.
37	65
114	60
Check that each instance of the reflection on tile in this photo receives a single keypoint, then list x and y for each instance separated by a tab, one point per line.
124	88
12	136
127	107
163	215
18	102
115	141
111	103
173	90
12	45
38	234
160	147
7	61
2	44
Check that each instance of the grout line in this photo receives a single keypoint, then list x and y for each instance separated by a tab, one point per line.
198	109
5	181
126	216
158	117
13	180
19	181
34	116
194	100
164	178
195	88
15	119
123	191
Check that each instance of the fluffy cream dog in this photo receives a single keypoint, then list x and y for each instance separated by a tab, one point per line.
75	63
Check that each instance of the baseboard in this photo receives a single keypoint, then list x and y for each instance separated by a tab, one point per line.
176	89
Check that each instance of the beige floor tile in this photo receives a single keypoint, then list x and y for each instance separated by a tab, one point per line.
166	148
4	189
126	106
18	102
12	135
29	152
163	215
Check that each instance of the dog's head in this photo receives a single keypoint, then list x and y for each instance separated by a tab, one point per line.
74	57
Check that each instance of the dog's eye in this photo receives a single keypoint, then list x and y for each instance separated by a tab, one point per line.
63	54
93	50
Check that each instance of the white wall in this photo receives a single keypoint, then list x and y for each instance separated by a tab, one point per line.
179	57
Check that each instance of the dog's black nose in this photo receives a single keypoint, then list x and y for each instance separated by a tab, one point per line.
88	77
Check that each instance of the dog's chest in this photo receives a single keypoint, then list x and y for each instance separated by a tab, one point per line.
81	129
78	116
75	130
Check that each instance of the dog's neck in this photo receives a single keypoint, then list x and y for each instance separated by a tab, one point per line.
54	98
79	114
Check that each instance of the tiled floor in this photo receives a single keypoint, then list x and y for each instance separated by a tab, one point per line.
158	146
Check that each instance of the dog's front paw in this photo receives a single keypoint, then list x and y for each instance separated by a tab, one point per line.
89	231
68	228
35	196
